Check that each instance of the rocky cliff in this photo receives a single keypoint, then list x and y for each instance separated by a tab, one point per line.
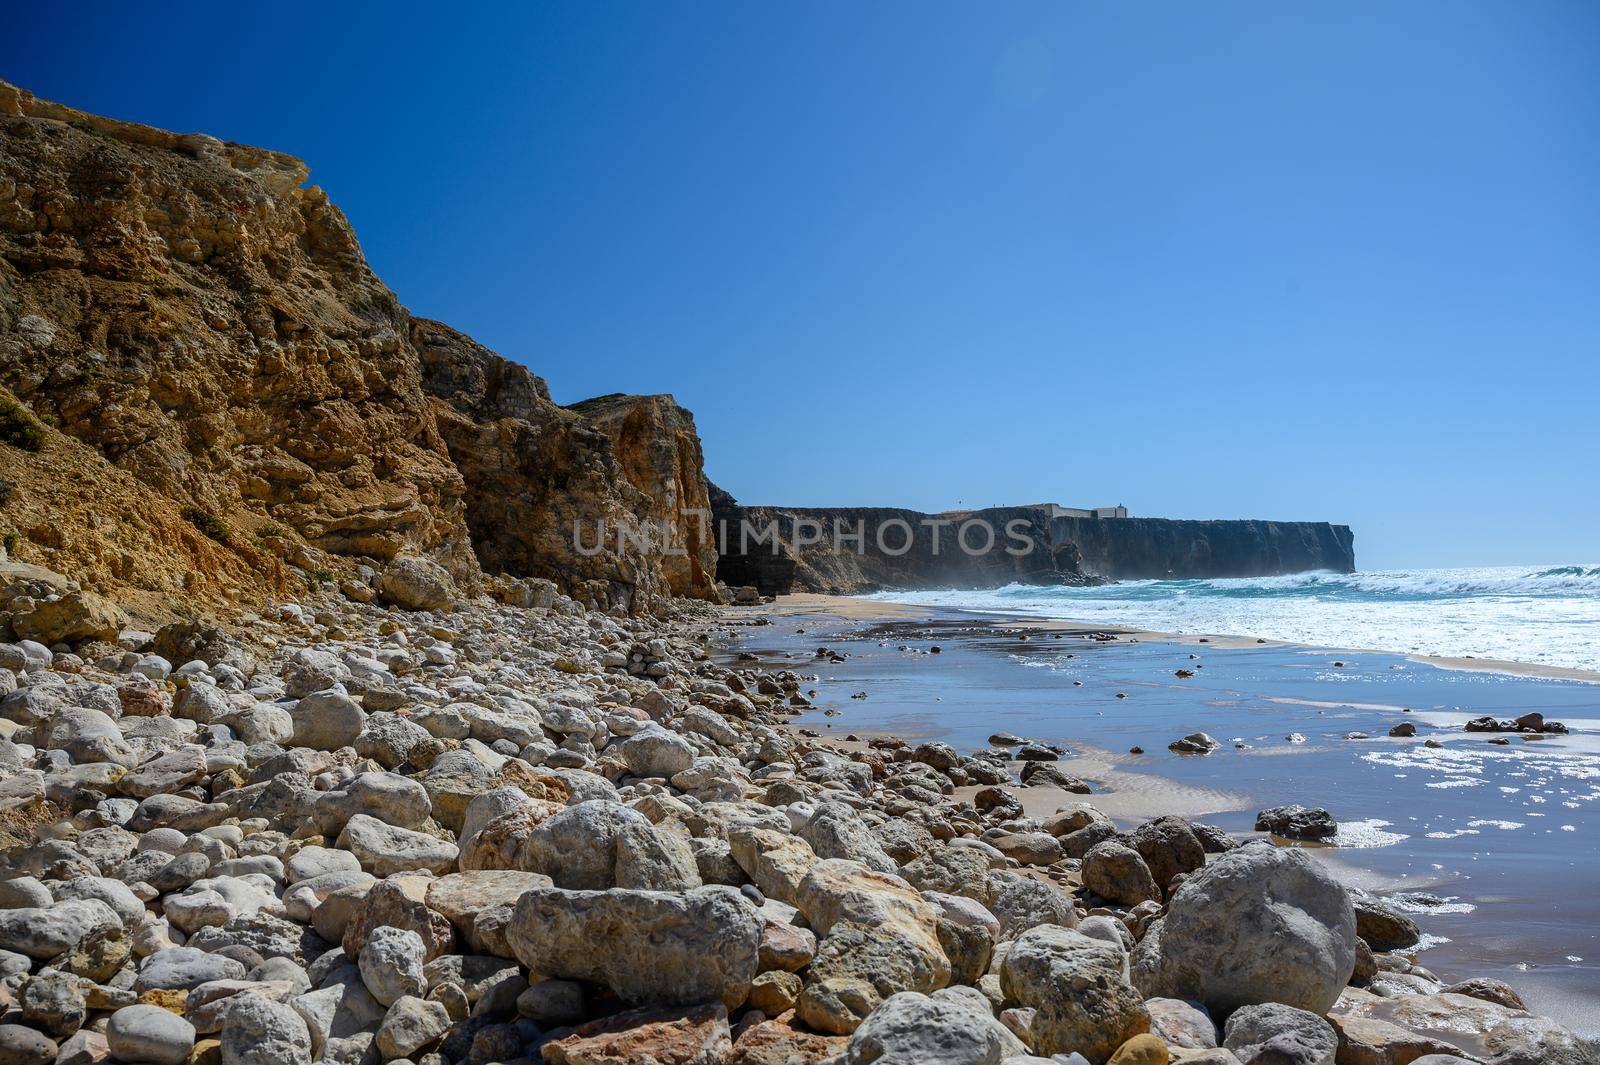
1141	548
658	450
207	387
553	491
882	548
856	549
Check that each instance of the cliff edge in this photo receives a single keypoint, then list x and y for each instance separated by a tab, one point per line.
208	389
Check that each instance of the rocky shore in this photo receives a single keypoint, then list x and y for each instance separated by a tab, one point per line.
333	730
439	828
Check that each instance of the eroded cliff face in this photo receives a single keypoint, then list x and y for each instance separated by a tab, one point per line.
658	450
1003	545
191	313
218	388
548	488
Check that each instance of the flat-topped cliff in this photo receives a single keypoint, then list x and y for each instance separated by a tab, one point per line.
817	548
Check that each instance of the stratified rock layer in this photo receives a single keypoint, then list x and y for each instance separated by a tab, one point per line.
203	384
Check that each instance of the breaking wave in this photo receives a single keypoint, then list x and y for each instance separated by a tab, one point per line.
1548	615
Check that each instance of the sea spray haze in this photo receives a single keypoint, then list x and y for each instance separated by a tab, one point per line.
1547	615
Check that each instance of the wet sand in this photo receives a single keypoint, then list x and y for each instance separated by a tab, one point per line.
1492	848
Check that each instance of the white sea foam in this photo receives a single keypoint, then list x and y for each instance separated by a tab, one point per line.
1366	835
1423	902
1543	615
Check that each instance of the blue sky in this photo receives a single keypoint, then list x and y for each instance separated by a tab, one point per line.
1336	261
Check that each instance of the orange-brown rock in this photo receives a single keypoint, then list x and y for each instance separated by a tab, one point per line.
575	495
694	1036
658	449
780	1042
204	321
204	388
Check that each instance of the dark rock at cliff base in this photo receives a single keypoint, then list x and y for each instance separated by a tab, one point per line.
1297	822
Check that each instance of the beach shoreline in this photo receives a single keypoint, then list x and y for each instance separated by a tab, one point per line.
852	608
886	654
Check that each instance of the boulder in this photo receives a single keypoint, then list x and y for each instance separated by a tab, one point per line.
878	936
383	849
1486	988
149	1034
326	721
1384	926
21	1045
1141	1050
341	1016
952	871
165	773
411	1025
1258	924
71	618
1274	1034
1484	1030
780	1042
1025	903
259	1031
391	964
914	1029
577	846
1365	1041
1169	847
775	862
398	902
85	734
835	830
1076	988
417	584
1117	872
45	932
1029	848
479	903
1181	1024
648	947
1297	822
656	752
391	798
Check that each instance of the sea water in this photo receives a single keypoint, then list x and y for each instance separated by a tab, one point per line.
1493	847
1545	615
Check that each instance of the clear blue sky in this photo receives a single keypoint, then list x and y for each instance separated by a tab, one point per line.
1303	261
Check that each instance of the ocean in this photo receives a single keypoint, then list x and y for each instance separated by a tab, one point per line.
1492	848
1543	615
